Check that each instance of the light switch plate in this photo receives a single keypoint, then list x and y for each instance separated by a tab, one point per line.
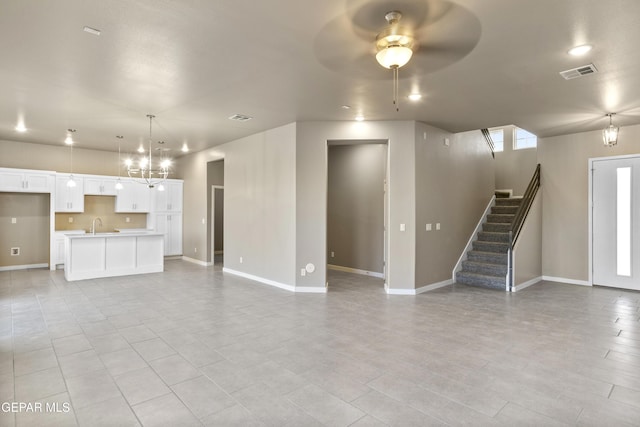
437	226
14	220
428	227
402	227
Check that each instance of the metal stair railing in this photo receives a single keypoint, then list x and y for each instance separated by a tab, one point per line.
487	137
520	216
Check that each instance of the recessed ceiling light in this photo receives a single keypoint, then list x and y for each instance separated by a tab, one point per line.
580	50
90	30
415	97
346	107
359	118
185	149
20	127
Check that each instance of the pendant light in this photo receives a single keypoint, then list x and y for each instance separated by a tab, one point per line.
118	182
69	141
610	133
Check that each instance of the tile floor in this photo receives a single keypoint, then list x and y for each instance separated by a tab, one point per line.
192	346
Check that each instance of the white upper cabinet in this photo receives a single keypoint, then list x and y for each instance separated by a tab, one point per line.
69	199
26	181
100	186
169	200
133	198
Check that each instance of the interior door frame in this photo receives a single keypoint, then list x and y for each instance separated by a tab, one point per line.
213	220
386	189
590	205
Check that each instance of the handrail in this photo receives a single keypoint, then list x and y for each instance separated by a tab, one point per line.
525	205
487	137
518	220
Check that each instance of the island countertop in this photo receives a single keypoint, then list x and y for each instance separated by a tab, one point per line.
113	234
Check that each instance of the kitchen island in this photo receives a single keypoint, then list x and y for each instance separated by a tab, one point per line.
90	256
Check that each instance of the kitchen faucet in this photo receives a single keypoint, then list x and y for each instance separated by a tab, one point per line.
93	224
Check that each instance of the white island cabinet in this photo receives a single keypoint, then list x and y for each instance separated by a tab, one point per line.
89	256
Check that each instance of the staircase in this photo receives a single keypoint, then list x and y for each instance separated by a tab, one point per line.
487	264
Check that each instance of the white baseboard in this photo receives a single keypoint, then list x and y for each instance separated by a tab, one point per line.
197	261
302	289
23	267
431	287
355	270
565	280
526	284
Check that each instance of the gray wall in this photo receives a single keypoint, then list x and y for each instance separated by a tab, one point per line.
259	211
355	206
454	184
311	201
58	158
527	255
565	190
514	168
30	232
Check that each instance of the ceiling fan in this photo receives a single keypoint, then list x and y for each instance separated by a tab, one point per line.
420	36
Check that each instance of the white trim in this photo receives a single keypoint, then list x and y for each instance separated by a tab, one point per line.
355	271
420	290
197	261
311	289
23	267
463	256
526	284
568	281
302	289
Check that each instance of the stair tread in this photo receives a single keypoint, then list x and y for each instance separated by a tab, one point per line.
500	264
480	275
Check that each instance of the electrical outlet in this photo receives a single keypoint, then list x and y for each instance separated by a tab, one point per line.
333	254
240	260
70	220
195	250
15	251
303	272
127	219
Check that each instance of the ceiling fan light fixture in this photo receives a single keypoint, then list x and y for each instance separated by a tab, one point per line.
394	56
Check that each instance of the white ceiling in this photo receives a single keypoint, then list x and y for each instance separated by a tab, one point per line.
482	63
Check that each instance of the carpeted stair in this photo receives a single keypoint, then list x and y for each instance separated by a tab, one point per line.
486	265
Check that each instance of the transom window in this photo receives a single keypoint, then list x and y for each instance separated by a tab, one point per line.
497	136
523	139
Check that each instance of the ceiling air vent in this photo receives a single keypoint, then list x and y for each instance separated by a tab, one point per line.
240	118
579	72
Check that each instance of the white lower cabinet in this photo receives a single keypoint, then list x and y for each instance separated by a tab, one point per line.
58	247
170	225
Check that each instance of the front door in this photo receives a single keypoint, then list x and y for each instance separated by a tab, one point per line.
616	222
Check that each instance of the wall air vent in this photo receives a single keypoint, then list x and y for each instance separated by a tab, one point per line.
240	118
579	72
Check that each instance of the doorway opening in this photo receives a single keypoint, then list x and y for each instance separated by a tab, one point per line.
217	225
357	209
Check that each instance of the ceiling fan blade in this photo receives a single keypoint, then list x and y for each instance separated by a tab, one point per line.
445	33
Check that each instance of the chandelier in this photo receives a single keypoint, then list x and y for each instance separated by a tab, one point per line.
144	172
